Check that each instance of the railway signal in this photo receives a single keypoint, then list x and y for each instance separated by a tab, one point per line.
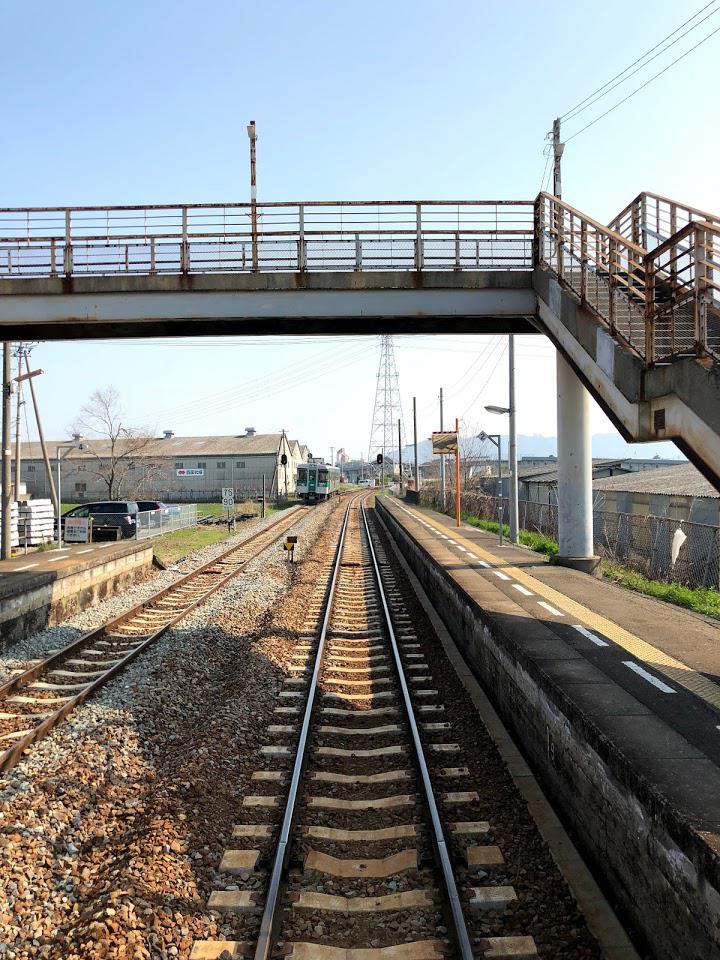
289	547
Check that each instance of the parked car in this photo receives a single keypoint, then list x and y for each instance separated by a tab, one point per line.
108	516
156	512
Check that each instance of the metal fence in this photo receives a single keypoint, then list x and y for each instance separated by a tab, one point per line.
660	548
318	235
155	523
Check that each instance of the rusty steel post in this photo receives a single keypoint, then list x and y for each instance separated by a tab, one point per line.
649	310
418	237
252	134
67	250
700	306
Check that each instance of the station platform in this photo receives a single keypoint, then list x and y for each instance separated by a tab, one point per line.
612	696
46	587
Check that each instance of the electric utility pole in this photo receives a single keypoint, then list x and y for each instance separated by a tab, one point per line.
400	454
442	458
30	376
417	477
5	548
558	148
18	410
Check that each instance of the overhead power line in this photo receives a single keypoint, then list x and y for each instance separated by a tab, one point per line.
642	86
642	61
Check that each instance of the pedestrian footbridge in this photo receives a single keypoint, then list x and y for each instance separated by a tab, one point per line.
633	307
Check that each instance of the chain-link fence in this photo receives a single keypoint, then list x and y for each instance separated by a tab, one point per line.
661	548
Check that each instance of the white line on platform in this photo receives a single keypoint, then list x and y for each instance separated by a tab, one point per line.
521	589
450	540
26	567
589	635
87	550
53	559
550	609
648	676
461	548
499	573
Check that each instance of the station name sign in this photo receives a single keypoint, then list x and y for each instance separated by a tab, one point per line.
190	473
444	442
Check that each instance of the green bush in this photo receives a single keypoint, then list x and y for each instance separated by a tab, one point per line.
700	599
536	541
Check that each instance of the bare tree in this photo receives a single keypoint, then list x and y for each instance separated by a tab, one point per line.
116	450
474	452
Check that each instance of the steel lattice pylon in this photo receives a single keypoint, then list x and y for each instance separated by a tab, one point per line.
388	409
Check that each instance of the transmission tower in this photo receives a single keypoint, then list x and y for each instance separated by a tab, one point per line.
388	409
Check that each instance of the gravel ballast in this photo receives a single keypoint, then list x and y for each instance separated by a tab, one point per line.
53	638
113	827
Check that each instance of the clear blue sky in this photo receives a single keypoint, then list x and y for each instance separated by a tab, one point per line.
131	102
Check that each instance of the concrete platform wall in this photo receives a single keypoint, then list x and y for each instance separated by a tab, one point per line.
29	604
663	876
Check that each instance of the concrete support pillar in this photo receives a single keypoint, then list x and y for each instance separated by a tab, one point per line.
575	517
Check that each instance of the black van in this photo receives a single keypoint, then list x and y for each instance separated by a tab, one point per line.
116	519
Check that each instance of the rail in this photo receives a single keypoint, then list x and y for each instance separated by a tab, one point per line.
316	235
120	640
270	920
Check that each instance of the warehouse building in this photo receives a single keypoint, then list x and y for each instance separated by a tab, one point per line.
170	468
680	493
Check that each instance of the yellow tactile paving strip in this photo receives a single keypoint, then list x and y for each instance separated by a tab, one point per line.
664	664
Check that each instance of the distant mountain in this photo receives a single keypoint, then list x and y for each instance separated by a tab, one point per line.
607	445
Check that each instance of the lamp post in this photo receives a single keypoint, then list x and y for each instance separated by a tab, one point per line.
512	458
495	438
67	447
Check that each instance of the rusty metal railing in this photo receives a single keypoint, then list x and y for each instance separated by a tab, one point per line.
650	276
606	271
683	294
664	304
650	219
206	238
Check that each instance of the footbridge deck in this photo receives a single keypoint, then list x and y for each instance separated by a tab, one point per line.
634	307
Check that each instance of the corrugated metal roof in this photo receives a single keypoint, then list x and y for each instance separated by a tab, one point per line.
548	474
259	444
684	480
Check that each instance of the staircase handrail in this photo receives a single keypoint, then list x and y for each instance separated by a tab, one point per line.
689	274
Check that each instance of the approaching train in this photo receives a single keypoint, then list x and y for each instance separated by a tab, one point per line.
317	481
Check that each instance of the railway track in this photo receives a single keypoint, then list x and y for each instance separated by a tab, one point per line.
35	701
358	865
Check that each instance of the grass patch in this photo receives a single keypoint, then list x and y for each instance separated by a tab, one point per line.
538	542
174	546
699	599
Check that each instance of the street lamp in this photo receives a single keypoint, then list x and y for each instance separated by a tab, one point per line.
495	438
512	457
67	447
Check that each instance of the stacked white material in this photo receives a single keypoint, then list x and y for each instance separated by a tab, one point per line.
36	522
14	538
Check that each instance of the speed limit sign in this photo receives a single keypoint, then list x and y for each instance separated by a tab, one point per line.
228	497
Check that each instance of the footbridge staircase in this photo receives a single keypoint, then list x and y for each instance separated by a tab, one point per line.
633	306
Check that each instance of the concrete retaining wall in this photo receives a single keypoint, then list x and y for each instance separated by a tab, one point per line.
46	599
660	872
